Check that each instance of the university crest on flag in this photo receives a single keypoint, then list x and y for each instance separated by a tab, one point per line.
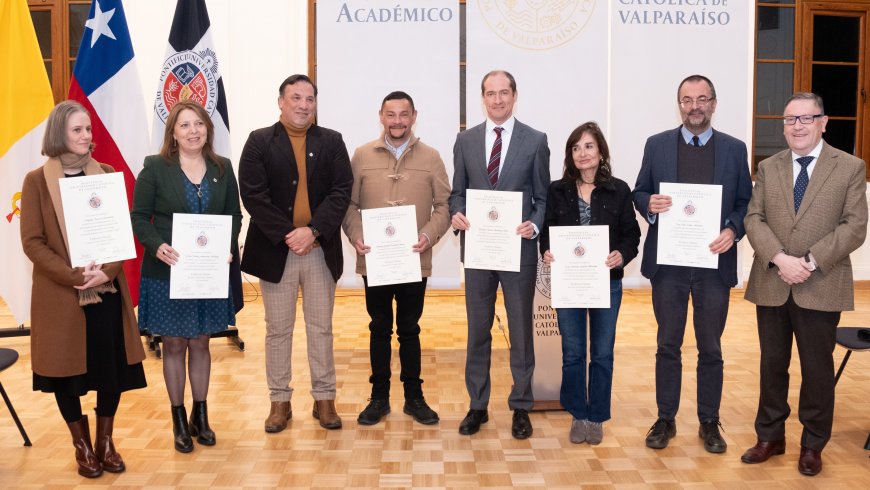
188	75
191	72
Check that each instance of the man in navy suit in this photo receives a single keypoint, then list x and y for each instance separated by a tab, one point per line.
694	153
501	154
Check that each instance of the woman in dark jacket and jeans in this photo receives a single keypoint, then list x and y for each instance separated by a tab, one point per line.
588	194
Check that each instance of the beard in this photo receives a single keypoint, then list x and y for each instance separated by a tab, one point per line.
702	124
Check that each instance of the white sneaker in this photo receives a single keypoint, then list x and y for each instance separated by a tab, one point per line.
578	431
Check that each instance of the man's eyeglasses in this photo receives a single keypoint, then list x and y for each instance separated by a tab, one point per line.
804	119
702	101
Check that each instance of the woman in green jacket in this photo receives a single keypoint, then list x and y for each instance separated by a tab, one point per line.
186	177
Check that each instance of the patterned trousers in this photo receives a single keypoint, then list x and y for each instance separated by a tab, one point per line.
310	273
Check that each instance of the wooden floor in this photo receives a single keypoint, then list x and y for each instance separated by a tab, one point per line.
400	453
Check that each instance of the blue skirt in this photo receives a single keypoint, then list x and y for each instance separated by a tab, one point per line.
181	317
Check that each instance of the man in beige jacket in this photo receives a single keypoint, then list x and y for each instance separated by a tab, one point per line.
397	169
807	214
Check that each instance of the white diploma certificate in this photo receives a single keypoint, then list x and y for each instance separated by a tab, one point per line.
97	219
391	232
578	276
690	225
203	245
492	242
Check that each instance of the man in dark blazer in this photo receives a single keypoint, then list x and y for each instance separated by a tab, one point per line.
694	153
295	181
501	154
807	214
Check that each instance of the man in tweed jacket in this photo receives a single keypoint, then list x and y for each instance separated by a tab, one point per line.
801	276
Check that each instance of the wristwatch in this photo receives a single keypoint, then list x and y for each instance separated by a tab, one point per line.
812	264
314	231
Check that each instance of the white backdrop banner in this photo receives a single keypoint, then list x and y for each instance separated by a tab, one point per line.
369	48
653	48
557	51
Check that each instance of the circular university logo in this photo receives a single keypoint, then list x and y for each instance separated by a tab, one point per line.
202	239
390	230
537	24
492	214
542	280
188	75
95	202
579	250
689	209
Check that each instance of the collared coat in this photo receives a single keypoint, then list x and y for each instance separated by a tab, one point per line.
268	178
418	177
830	224
58	342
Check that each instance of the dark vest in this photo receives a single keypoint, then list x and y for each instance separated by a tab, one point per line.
695	165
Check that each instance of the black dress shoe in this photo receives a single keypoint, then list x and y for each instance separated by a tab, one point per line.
377	409
522	426
660	433
810	462
762	451
713	441
419	409
471	423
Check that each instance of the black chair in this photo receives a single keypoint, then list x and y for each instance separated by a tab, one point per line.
848	338
8	358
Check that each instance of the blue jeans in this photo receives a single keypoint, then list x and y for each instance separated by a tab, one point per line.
592	403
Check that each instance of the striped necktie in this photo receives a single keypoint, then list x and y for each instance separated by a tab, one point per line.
495	157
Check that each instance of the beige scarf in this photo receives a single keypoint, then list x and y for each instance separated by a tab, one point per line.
54	171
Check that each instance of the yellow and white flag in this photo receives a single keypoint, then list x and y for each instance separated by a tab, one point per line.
25	102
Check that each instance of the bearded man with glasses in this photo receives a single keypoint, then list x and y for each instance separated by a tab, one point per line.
693	153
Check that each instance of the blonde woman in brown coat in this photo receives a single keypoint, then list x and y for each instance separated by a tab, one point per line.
84	335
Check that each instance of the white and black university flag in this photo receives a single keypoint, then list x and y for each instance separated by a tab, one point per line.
191	72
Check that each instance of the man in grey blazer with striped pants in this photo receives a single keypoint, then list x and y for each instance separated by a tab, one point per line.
501	154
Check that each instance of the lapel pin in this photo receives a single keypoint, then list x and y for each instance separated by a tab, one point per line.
214	179
311	154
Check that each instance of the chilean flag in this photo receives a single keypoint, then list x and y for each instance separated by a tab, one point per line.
106	82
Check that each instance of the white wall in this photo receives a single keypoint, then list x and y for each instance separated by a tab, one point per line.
261	42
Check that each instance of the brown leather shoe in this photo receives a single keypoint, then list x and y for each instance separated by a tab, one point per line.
89	465
810	462
762	451
105	448
279	414
324	410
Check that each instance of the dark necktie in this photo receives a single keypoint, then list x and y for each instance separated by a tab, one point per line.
803	180
696	141
495	157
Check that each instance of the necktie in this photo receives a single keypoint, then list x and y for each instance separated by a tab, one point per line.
696	141
495	157
803	179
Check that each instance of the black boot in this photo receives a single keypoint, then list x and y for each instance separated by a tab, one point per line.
199	424
180	429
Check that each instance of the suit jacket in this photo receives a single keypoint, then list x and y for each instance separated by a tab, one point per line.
831	223
58	333
268	178
731	171
159	192
525	168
